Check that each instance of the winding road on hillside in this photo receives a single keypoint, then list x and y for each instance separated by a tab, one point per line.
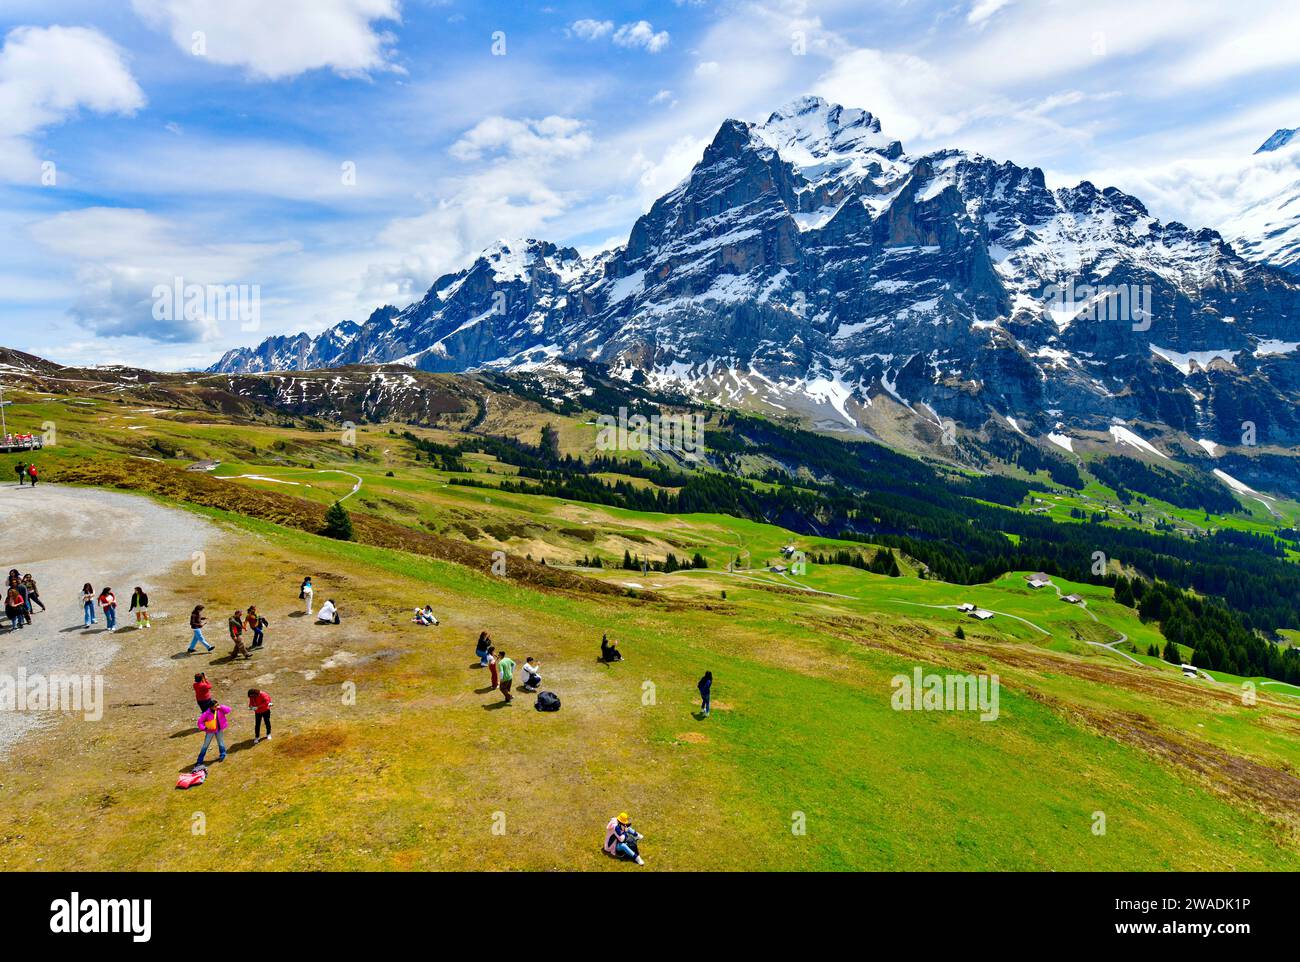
66	537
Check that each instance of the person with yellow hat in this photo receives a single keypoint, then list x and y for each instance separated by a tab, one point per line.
621	839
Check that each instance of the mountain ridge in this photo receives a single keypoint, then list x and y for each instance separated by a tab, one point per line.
809	264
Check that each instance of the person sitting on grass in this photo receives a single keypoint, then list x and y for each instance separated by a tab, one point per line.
328	614
622	840
481	648
532	675
259	703
425	616
609	650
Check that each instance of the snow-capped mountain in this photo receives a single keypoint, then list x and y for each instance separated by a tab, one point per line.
809	264
1269	229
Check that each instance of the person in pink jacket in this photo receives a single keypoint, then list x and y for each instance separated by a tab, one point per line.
213	724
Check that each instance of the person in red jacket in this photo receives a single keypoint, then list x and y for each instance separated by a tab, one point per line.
31	473
203	692
259	702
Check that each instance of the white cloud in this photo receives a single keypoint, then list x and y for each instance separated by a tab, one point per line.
662	97
548	138
119	255
641	34
284	38
592	29
636	34
982	10
46	76
707	68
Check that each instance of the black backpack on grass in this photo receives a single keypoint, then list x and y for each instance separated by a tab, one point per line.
547	701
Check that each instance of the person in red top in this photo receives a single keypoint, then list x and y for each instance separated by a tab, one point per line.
203	692
259	702
31	473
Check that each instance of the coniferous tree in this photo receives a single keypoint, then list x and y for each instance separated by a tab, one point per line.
338	523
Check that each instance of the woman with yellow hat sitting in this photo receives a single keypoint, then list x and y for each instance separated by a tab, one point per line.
621	839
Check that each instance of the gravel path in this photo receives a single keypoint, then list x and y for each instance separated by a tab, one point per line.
66	537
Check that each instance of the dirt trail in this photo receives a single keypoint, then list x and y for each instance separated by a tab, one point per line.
66	537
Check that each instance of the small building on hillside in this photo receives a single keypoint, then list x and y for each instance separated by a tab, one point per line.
1073	599
966	606
204	466
982	614
1189	671
1038	580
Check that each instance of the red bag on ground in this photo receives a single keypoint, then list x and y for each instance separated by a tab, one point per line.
191	779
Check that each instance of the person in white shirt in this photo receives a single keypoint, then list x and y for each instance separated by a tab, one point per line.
532	675
327	612
305	592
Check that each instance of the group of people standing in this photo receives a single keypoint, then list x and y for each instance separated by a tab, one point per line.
21	596
107	602
214	717
239	624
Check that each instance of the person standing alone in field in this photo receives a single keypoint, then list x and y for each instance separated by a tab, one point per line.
705	685
507	669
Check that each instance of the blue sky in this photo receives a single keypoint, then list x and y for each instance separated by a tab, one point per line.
144	140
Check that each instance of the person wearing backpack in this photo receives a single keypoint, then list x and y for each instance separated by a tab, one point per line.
705	685
108	604
21	470
507	669
622	840
213	724
140	605
196	623
305	592
259	702
236	626
257	624
88	603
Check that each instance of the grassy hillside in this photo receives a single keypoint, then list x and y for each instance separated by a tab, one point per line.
425	770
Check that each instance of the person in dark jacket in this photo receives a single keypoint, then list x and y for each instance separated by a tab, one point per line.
140	605
705	685
197	619
609	650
